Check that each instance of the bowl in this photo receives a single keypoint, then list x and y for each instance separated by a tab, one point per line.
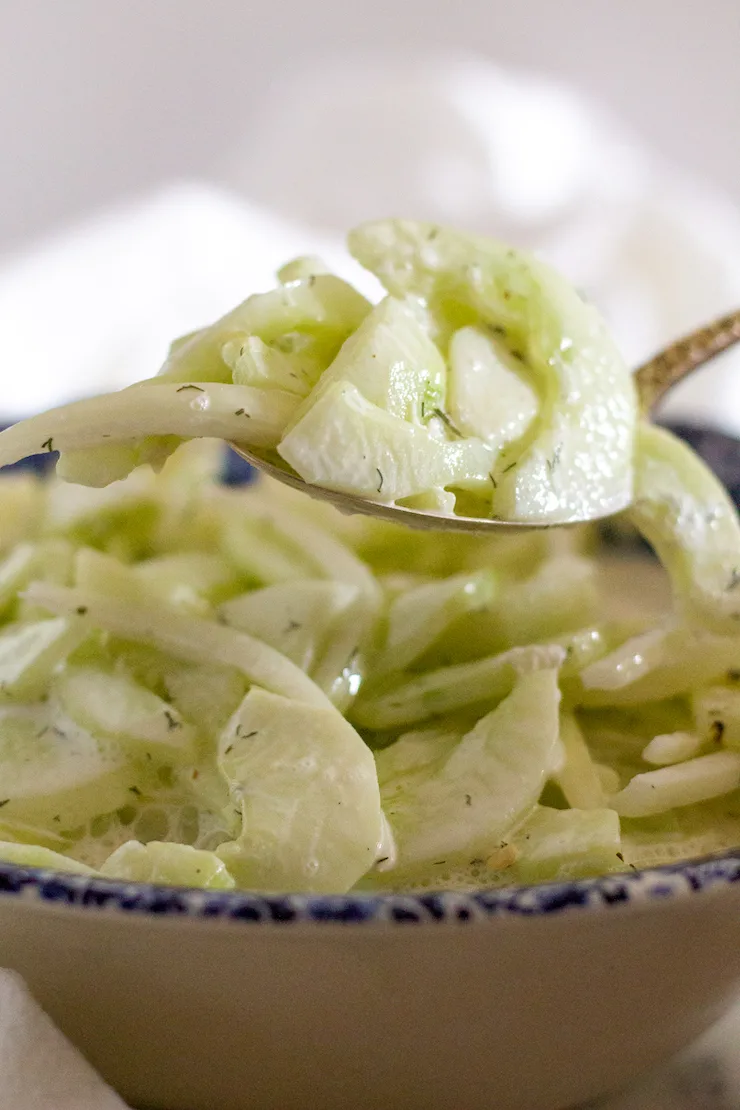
534	998
522	998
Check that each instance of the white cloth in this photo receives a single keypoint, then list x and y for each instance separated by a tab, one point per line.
39	1068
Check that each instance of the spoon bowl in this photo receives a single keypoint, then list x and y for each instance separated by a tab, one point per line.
653	380
352	503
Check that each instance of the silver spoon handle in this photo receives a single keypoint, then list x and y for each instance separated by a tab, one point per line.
661	373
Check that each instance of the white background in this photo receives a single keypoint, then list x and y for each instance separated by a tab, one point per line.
99	98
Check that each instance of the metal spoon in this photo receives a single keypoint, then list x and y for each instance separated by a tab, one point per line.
653	379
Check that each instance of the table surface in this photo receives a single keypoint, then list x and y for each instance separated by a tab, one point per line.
706	1077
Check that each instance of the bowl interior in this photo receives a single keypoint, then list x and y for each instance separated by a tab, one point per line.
722	453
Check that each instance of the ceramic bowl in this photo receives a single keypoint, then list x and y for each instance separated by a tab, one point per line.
521	999
530	998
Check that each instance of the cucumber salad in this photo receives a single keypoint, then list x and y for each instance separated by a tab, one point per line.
240	687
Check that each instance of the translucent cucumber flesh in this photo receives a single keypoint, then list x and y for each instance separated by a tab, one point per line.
143	684
392	362
546	406
172	864
461	807
489	396
345	442
309	795
577	460
217	688
691	521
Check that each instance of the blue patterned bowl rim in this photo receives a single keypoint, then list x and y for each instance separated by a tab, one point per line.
80	892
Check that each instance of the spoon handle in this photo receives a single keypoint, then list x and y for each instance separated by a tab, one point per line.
655	377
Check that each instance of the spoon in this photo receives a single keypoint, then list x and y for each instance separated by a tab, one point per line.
653	379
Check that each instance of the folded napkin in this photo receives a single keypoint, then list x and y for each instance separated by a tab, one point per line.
39	1068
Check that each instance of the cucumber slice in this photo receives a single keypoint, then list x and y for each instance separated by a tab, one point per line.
114	705
435	500
345	442
257	547
395	583
54	772
342	665
53	561
578	778
33	855
100	572
256	364
205	695
689	518
97	467
662	663
561	596
682	784
488	394
16	570
478	684
418	617
392	362
671	747
145	664
169	864
568	844
181	341
235	413
20	832
717	716
189	578
321	304
122	518
309	796
415	753
110	462
586	645
187	638
296	618
22	498
576	461
338	669
462	807
30	652
302	269
324	555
